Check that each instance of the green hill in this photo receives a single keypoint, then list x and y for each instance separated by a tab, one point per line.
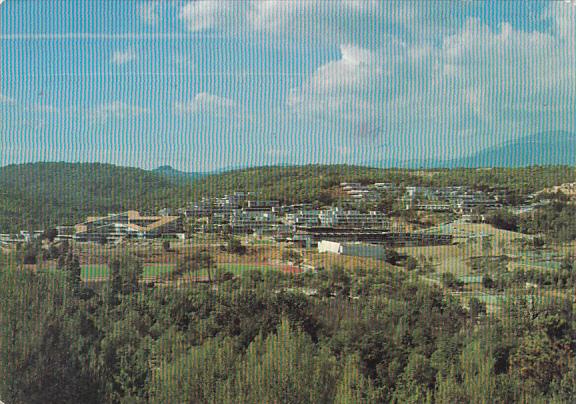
321	182
39	195
295	184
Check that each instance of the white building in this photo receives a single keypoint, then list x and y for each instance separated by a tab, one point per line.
360	192
353	218
303	218
263	204
384	186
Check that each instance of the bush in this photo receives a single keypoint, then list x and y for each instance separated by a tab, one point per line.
392	256
487	282
503	219
411	264
450	281
50	234
30	258
235	246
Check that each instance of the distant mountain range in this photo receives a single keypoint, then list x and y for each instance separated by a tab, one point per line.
540	149
545	148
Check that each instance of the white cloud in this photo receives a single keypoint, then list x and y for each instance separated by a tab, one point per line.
4	99
272	16
318	19
206	103
476	87
123	57
202	15
149	13
290	17
338	89
563	17
115	110
277	15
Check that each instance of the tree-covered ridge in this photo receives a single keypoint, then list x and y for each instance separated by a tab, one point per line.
40	195
293	184
321	182
46	194
522	180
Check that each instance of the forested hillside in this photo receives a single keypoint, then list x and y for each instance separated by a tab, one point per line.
315	182
38	195
294	184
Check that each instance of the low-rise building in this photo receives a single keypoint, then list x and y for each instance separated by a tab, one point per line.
249	221
352	218
262	204
128	224
303	218
311	236
9	238
65	232
433	207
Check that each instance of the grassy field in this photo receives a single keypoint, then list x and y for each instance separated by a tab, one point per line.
445	258
455	258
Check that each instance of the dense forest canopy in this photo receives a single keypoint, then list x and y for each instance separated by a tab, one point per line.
257	339
40	195
47	194
312	182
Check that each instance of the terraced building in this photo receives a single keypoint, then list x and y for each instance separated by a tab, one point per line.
127	225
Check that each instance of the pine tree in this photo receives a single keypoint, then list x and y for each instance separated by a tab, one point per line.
354	387
73	273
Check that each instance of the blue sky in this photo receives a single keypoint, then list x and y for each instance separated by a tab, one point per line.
202	85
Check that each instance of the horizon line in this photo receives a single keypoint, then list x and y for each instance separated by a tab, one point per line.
285	165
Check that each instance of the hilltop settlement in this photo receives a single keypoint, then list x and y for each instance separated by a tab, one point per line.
243	213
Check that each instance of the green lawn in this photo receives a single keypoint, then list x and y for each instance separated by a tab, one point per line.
94	271
468	279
